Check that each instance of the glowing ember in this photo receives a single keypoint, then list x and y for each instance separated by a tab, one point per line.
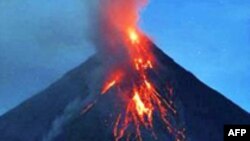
108	86
133	36
115	78
140	106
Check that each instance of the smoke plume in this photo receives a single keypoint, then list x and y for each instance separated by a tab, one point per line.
114	19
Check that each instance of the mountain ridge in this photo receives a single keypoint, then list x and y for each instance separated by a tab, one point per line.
37	117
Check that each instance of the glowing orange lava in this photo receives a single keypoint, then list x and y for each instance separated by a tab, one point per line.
140	106
114	79
108	86
133	36
144	102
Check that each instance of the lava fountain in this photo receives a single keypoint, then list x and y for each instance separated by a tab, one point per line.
145	102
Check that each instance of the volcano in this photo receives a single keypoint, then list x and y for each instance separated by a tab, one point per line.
72	109
129	90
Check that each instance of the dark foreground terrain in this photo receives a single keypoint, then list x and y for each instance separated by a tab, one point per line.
54	113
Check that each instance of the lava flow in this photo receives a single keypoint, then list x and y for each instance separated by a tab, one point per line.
145	102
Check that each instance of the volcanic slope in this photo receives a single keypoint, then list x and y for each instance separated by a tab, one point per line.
72	109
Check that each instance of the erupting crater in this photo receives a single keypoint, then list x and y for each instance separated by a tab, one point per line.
145	102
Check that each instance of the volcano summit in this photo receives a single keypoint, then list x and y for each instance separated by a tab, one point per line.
129	90
72	109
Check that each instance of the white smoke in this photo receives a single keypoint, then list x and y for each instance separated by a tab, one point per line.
71	111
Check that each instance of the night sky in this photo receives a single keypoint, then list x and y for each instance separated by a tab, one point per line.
41	40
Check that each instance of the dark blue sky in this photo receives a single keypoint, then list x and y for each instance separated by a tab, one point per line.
41	40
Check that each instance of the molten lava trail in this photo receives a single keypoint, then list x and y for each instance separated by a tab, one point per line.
144	104
145	101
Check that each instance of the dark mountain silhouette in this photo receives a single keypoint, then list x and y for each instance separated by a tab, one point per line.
55	113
